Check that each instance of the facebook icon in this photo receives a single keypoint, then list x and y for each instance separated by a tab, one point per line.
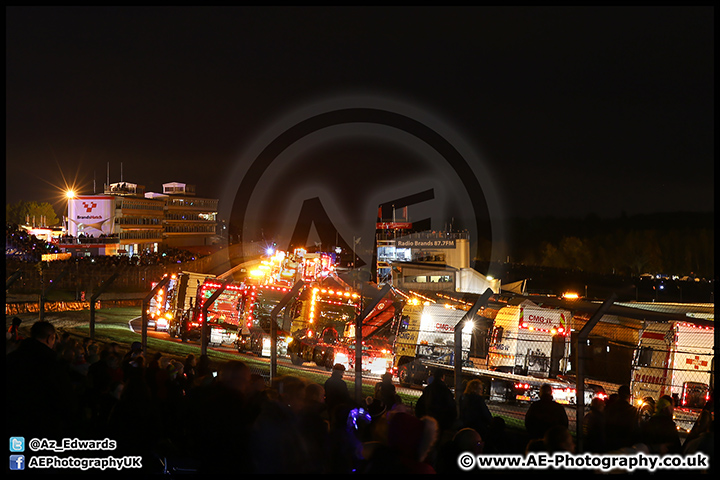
17	462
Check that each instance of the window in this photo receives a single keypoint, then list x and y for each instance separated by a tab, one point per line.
644	356
497	334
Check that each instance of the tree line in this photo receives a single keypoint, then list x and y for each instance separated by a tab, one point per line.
674	244
22	211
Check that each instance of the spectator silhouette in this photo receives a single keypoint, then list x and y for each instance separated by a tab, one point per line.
134	352
535	445
496	440
190	369
99	377
375	405
701	438
410	441
594	437
314	426
93	353
159	384
151	373
132	423
474	412
257	395
544	414
621	421
388	392
660	433
13	336
558	439
465	440
336	390
277	429
37	383
204	371
438	402
228	393
315	402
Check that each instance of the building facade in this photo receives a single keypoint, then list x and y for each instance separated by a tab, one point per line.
189	220
128	220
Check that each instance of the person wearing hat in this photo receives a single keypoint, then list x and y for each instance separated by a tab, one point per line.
336	390
660	433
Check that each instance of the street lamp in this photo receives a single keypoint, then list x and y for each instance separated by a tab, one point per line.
69	194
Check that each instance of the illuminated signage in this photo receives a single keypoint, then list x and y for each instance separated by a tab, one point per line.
91	216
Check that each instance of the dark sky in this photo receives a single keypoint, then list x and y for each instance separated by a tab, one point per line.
570	111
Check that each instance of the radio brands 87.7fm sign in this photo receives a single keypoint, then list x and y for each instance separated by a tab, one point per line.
326	173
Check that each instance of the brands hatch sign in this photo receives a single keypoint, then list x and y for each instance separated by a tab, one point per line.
91	216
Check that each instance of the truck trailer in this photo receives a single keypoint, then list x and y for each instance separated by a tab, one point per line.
675	359
529	346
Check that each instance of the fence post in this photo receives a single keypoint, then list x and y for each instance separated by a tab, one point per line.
580	387
480	302
95	296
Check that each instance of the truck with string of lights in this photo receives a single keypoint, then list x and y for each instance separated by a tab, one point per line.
172	305
223	316
265	287
323	329
317	325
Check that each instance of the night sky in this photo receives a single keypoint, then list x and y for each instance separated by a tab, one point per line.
559	111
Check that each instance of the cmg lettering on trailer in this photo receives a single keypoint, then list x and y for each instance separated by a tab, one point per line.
539	319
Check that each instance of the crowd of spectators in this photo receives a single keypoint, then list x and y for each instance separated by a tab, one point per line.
193	415
23	246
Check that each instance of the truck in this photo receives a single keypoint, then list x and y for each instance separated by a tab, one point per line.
159	308
530	340
256	305
674	358
265	288
323	327
175	298
528	346
316	325
321	323
223	316
425	339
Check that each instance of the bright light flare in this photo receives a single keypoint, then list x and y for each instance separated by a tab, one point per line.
468	326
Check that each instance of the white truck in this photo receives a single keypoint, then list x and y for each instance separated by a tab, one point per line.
675	359
530	340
